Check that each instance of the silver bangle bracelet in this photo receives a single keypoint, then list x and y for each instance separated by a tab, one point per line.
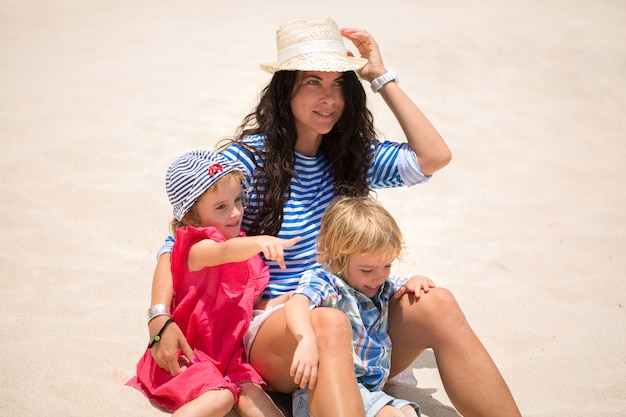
157	315
157	310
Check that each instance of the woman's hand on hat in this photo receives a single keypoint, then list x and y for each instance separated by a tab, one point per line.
368	48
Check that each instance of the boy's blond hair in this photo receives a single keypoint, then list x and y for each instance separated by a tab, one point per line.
356	226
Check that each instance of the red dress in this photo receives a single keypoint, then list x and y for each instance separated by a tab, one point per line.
213	308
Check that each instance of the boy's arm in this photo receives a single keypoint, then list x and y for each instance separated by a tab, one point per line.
298	317
306	357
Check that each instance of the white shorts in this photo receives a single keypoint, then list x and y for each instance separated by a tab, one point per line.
258	318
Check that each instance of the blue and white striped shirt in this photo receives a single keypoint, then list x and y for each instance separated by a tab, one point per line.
394	165
369	320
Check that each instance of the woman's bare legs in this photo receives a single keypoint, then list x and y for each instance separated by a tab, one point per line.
336	393
471	379
215	403
254	402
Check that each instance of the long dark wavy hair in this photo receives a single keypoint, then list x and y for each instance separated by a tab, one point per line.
346	146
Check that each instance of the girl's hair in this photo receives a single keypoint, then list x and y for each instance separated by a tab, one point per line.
192	218
356	226
346	146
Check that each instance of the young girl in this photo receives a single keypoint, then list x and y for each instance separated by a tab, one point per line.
357	243
217	276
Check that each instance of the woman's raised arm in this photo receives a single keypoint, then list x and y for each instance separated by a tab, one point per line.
430	148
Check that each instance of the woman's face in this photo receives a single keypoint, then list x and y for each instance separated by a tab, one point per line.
318	103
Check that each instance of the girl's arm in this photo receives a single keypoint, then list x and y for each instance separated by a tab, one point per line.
207	252
306	357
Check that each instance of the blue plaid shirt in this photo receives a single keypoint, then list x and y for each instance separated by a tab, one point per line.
369	319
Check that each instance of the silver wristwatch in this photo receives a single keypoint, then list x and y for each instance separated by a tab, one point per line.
379	82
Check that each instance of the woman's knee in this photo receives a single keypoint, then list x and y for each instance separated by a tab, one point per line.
437	303
331	326
433	314
330	317
440	300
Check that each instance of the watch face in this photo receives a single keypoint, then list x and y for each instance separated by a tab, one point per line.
379	82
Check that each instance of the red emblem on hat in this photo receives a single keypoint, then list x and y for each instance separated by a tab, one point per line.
214	169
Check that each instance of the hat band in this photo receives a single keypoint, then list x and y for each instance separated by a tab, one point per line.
310	46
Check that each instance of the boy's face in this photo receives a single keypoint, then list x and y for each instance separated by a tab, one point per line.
366	273
222	208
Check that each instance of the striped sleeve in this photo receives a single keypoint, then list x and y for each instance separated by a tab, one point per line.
395	165
316	287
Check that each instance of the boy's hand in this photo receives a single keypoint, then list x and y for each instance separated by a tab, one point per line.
304	365
414	285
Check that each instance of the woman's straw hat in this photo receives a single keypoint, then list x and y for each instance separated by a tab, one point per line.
312	45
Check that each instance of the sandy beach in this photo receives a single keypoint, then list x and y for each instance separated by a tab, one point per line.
526	226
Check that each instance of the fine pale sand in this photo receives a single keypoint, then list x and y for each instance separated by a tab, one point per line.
527	225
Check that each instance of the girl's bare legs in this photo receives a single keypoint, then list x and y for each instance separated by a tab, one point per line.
471	379
336	393
254	402
216	403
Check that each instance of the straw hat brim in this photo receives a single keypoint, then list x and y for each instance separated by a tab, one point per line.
317	61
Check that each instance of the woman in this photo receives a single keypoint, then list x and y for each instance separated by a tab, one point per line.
310	137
